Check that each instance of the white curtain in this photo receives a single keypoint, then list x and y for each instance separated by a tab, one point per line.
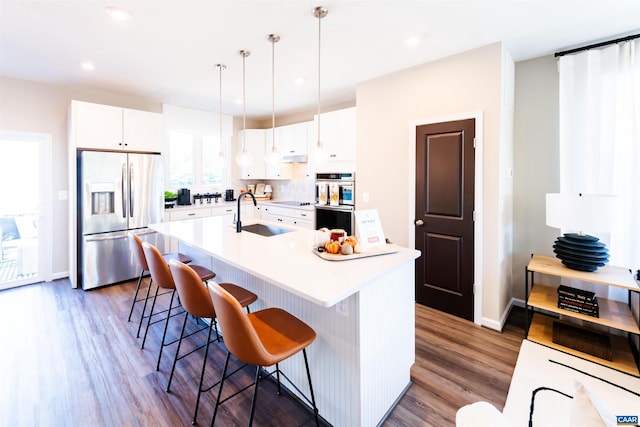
600	137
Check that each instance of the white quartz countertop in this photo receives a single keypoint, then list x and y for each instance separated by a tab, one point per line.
285	260
222	203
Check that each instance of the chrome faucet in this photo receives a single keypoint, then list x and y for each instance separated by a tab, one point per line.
238	222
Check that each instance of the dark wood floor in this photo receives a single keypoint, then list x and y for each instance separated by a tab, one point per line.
70	358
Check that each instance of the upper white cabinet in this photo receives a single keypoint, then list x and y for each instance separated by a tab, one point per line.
338	135
292	139
258	143
105	127
254	140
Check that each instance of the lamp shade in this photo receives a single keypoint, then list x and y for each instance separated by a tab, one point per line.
583	212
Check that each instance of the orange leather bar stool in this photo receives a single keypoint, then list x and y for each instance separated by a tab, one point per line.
196	301
136	248
161	276
263	338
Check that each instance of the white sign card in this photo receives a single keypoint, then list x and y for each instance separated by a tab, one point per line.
369	229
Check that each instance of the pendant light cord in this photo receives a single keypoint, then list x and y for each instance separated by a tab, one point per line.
244	54
220	68
319	38
244	104
273	38
319	12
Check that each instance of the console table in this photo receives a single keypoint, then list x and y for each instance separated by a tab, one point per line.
613	314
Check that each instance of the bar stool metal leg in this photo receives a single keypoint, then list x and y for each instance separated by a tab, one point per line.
166	325
153	304
144	307
135	296
313	398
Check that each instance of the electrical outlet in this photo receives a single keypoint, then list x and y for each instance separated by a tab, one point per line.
343	308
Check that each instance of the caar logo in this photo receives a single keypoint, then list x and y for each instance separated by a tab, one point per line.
627	420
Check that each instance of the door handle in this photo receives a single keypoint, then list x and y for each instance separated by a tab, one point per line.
131	187
124	190
419	222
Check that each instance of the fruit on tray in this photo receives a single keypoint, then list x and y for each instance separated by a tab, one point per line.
346	249
351	240
332	247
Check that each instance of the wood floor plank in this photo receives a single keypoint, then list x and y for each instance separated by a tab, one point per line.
70	357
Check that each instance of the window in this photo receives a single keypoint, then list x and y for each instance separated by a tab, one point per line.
194	161
181	170
212	163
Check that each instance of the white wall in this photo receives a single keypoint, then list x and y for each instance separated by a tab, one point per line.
536	162
468	82
35	107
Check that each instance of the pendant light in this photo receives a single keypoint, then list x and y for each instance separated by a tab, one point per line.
220	68
243	157
272	156
320	154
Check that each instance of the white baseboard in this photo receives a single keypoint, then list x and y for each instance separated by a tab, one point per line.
59	275
499	325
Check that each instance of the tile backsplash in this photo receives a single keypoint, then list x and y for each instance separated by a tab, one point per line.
300	189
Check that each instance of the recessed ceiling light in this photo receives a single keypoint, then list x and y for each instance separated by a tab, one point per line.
88	66
300	80
118	13
412	40
239	101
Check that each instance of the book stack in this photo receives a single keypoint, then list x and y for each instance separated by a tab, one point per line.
578	301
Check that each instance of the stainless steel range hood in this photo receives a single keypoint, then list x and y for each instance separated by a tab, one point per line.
294	158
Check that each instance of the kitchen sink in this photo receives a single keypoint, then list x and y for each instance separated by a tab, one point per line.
264	230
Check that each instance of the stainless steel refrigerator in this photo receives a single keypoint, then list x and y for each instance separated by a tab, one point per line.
118	193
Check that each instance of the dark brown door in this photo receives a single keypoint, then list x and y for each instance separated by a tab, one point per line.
444	216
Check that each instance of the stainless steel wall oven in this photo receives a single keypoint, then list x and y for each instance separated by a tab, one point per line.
335	201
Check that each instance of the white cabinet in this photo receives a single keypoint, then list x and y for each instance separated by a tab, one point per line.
275	169
104	127
227	212
292	139
187	213
305	219
338	135
254	141
288	216
258	143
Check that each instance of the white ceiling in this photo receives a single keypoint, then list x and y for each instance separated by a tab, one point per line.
167	52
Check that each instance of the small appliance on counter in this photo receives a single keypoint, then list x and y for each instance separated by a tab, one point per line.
335	201
228	196
184	196
200	199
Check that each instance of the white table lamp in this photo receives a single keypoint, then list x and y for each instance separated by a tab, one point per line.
583	213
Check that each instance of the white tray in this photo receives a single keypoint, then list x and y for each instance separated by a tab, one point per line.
389	248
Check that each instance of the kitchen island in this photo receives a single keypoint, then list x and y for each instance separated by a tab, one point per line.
361	309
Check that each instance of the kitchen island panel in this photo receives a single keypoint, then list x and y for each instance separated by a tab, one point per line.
334	355
362	311
361	360
387	342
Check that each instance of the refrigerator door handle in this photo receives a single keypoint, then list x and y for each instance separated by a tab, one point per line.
131	187
104	238
124	190
144	233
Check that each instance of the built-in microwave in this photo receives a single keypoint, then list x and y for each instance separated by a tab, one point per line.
335	189
335	201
